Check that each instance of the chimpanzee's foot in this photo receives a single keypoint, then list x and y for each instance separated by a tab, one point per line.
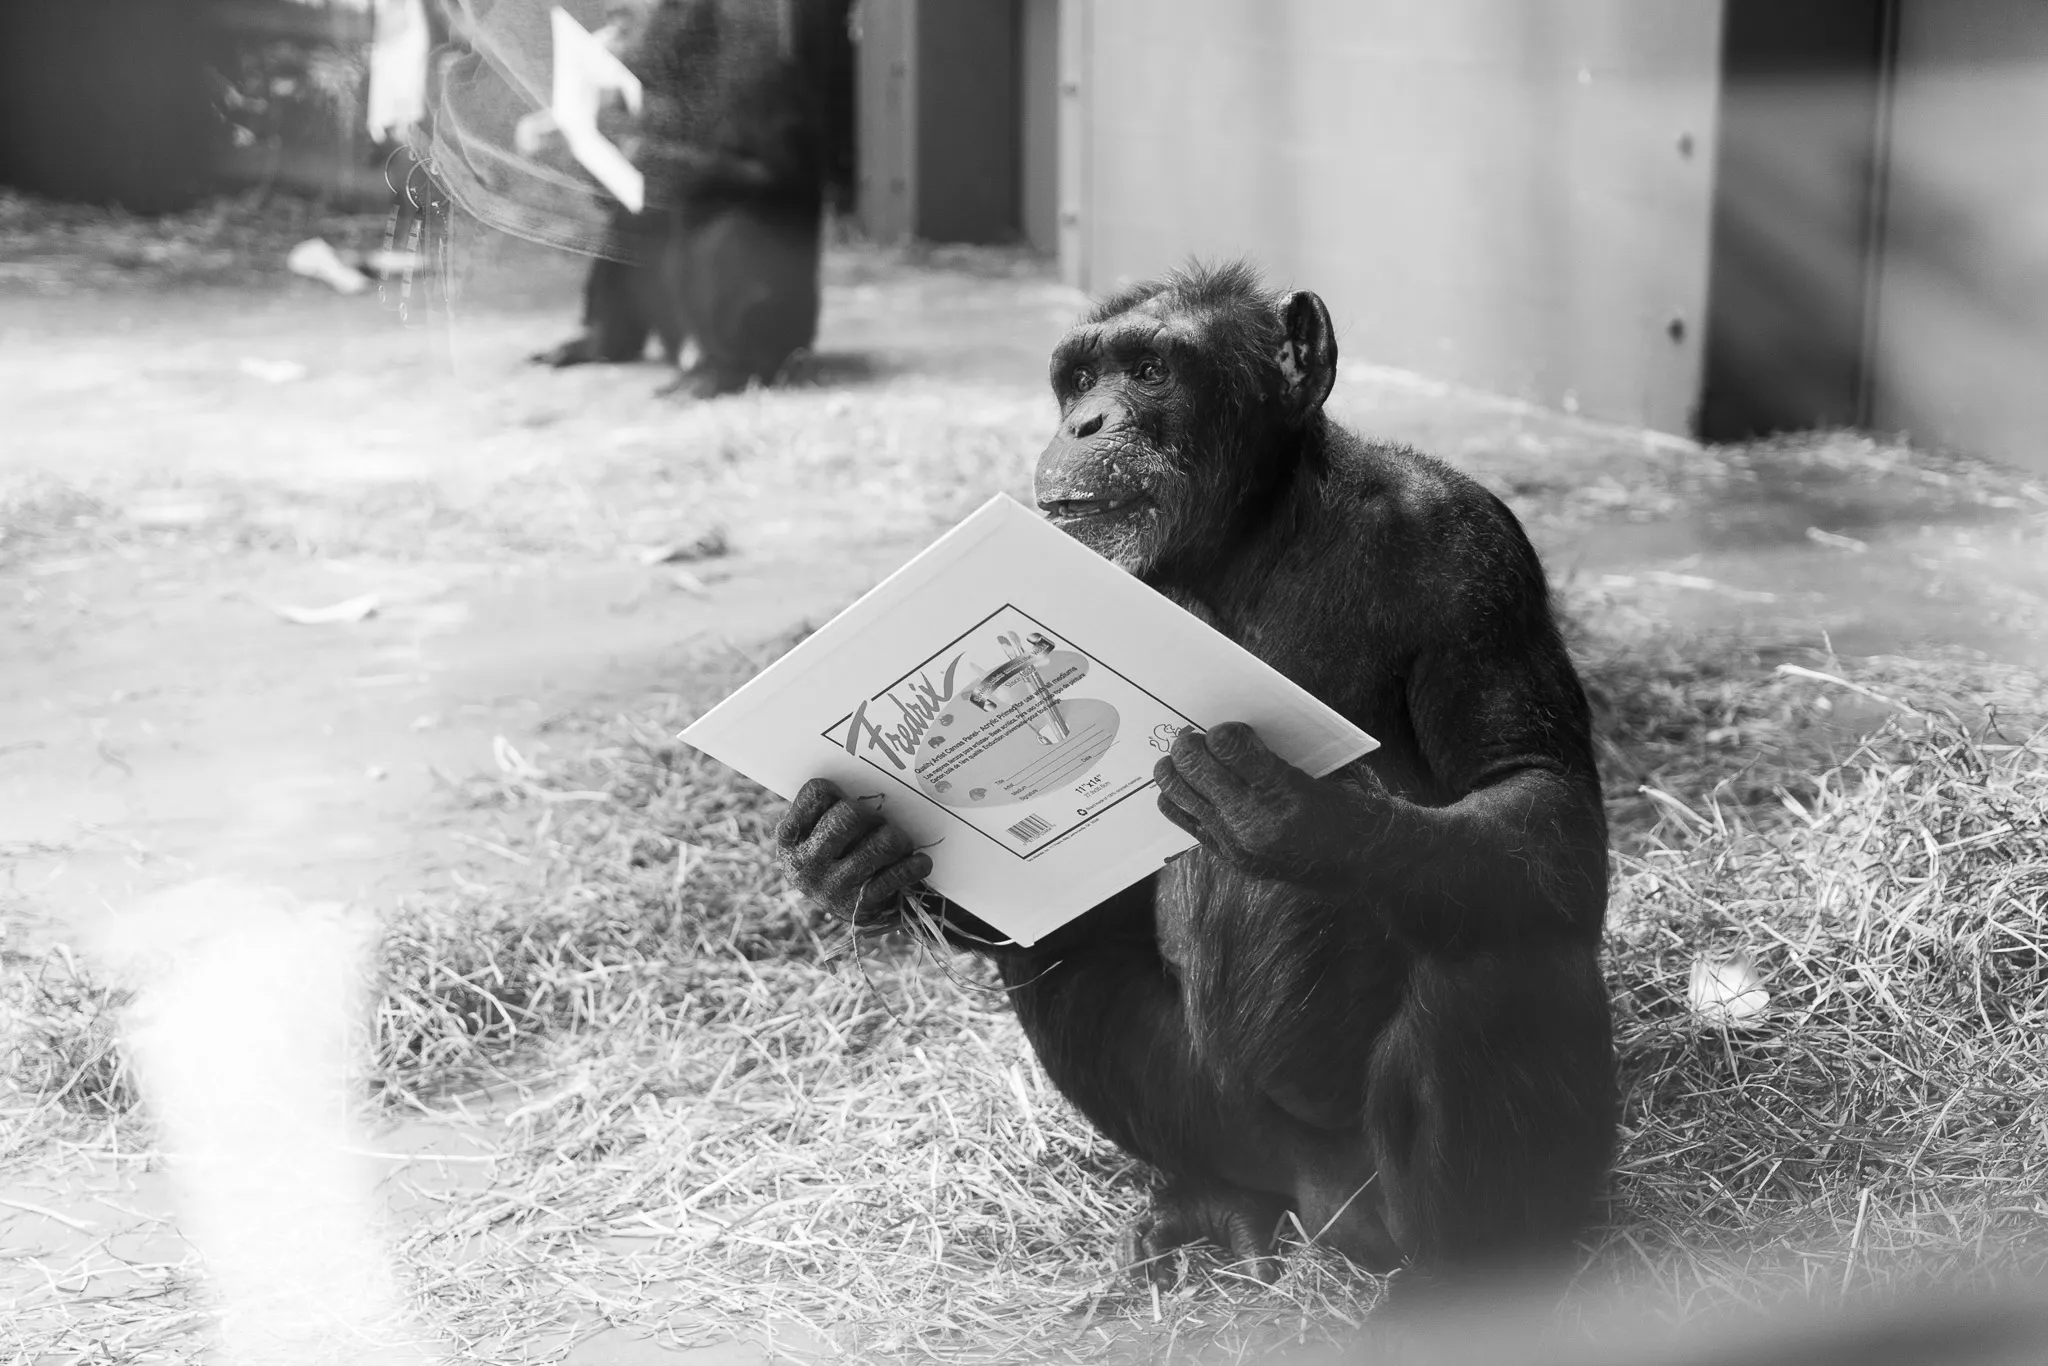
704	382
578	350
1243	1224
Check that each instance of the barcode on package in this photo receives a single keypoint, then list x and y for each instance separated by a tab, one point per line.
1029	829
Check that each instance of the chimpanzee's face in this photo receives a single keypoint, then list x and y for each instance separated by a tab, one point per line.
1158	422
1100	480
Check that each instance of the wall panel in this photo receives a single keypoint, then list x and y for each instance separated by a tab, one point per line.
1513	194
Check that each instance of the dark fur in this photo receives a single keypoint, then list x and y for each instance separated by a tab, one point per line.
737	146
1384	982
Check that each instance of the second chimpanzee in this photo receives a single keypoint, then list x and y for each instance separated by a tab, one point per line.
740	142
1373	999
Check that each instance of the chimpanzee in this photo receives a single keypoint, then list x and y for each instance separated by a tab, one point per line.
1373	999
739	149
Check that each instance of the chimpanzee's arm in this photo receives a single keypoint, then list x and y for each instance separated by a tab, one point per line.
848	860
1109	1027
1094	996
1518	846
1524	850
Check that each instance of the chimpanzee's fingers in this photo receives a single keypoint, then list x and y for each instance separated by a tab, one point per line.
1149	1245
1172	812
1241	750
881	888
1188	809
1249	1244
836	832
1207	774
881	864
1176	790
812	801
872	851
1203	835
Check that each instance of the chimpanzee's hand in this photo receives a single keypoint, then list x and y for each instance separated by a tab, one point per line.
846	860
1263	815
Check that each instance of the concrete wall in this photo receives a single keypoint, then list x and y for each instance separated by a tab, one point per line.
1513	194
1795	216
1961	352
938	111
1038	94
968	138
885	118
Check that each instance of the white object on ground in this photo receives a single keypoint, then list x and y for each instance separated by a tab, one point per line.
1726	990
1833	541
170	509
316	260
272	371
350	609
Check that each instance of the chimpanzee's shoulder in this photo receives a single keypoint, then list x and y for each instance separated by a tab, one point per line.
1434	534
1407	485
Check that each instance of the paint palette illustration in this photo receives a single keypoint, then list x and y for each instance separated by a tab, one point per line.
1013	734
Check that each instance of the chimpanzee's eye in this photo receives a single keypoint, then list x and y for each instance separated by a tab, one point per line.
1083	379
1150	370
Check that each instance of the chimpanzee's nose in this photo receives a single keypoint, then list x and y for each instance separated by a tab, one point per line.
1083	427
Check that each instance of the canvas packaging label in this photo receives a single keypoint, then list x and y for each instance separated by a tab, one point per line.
1003	699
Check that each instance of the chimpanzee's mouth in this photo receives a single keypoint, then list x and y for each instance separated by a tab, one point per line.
1082	509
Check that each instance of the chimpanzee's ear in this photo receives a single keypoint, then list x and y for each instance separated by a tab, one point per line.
1308	354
